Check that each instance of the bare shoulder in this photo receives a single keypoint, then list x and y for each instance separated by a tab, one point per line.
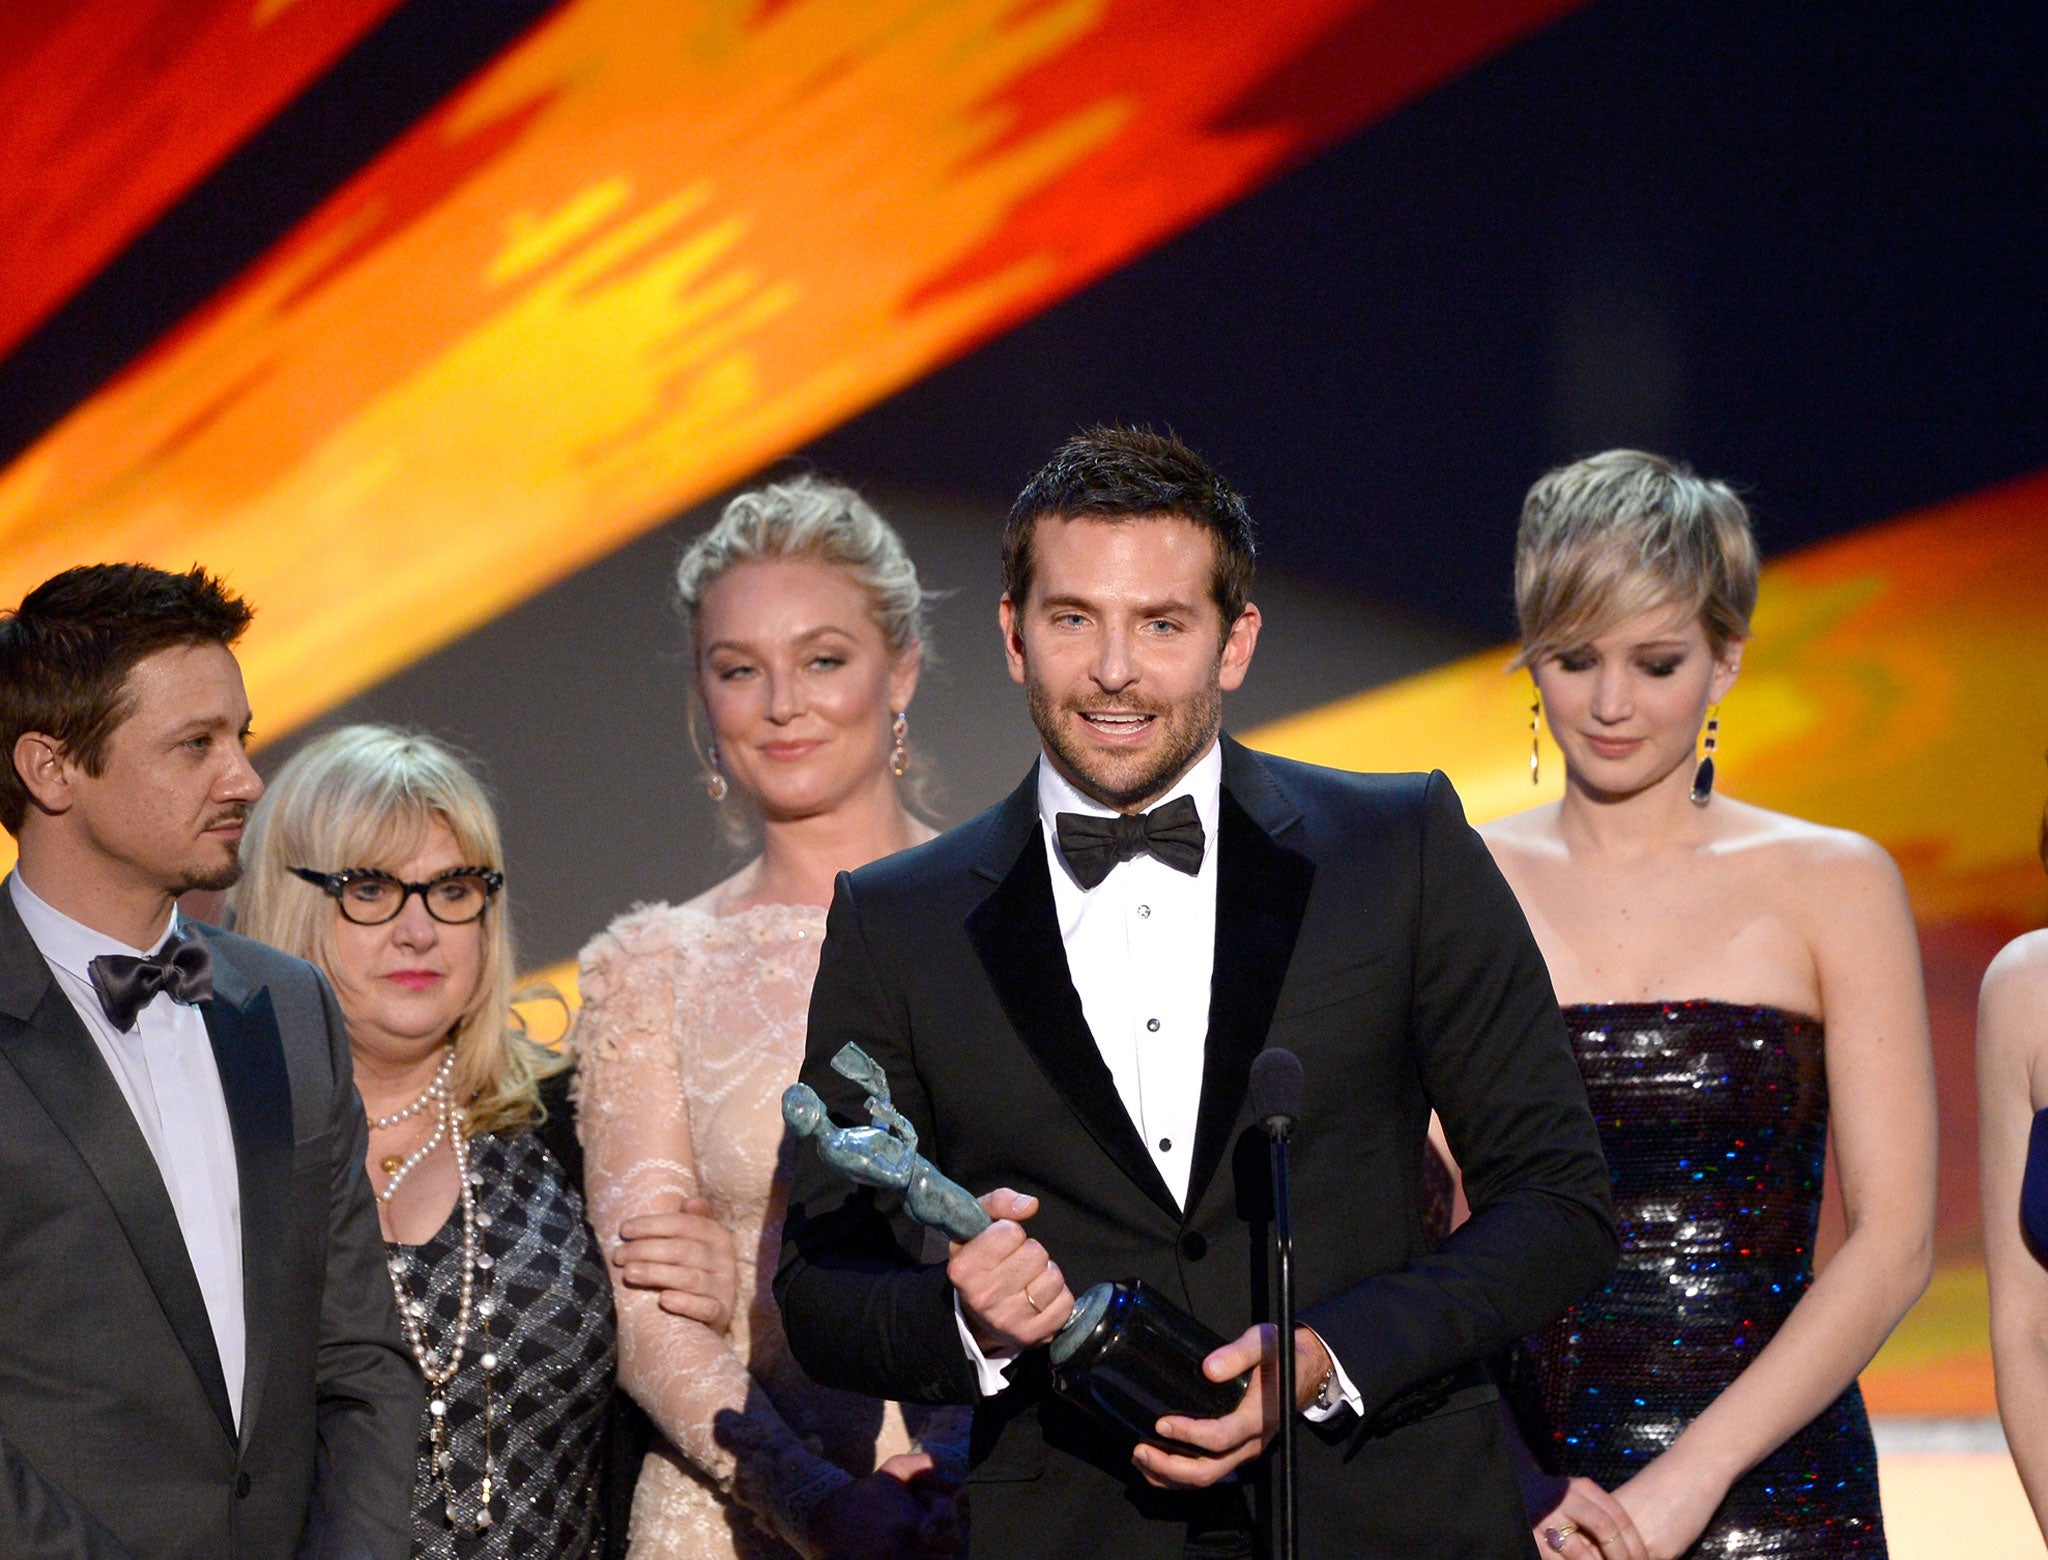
1531	834
2018	977
1815	859
2012	1017
1524	847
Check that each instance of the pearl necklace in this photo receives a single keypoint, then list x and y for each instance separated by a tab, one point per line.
440	1094
439	1369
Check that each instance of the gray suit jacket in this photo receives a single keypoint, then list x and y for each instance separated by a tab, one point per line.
116	1437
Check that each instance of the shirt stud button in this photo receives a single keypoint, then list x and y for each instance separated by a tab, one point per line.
1153	1025
1166	1145
1144	912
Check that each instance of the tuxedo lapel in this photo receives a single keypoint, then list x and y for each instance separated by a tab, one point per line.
43	1039
1262	891
1016	934
250	1055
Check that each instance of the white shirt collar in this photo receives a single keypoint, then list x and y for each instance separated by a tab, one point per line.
68	944
1203	781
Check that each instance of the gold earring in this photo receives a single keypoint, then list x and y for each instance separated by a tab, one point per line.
1703	777
899	755
1535	715
714	783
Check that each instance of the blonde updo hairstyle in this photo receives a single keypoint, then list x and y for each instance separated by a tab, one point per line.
1621	533
364	796
806	517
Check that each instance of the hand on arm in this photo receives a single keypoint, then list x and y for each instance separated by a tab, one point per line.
685	1256
639	1157
2012	1080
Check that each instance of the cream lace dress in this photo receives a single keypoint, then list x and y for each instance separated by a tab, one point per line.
691	1028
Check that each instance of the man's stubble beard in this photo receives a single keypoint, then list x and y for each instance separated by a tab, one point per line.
1188	731
218	880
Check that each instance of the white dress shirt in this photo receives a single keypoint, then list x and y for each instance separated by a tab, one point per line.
1141	947
166	1072
1141	951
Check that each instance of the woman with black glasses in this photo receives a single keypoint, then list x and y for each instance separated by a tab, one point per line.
375	855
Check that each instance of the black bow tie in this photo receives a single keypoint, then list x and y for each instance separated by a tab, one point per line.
126	983
1093	845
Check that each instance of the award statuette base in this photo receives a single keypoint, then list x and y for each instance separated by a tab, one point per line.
1129	1356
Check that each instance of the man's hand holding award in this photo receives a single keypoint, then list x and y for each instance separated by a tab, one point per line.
1122	1352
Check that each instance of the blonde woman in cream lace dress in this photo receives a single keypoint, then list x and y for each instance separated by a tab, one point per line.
804	615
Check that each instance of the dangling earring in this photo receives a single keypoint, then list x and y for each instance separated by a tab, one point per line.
899	755
1535	715
714	783
1703	777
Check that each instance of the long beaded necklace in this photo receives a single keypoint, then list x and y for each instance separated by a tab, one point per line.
439	1369
440	1094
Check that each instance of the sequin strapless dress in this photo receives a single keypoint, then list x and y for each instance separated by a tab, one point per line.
1714	1119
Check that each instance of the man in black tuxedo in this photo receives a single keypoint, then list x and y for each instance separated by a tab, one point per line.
200	1357
1067	993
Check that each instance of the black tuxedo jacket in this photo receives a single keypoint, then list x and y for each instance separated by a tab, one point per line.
1361	924
116	1438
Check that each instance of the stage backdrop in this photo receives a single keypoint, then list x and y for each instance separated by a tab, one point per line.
407	315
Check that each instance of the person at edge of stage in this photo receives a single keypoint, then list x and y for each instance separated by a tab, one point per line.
805	625
1069	1016
376	854
1729	974
2012	1116
199	1356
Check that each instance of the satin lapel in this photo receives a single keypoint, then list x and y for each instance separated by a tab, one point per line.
1262	890
61	1066
1015	932
250	1055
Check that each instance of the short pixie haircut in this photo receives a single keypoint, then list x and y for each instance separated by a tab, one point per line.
1134	474
808	517
67	650
1622	533
365	796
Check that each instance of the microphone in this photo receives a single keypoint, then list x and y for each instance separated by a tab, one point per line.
1276	1090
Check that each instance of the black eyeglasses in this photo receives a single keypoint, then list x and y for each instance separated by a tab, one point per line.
370	898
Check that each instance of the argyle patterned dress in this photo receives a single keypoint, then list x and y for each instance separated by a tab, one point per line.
543	1316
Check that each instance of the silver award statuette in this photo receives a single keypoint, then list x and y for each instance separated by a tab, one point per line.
1128	1355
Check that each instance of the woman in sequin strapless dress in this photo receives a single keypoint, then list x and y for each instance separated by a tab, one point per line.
804	617
2012	1140
1729	975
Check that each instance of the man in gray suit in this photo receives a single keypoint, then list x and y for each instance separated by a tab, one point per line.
199	1352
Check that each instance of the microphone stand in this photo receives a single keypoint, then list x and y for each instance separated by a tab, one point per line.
1283	1251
